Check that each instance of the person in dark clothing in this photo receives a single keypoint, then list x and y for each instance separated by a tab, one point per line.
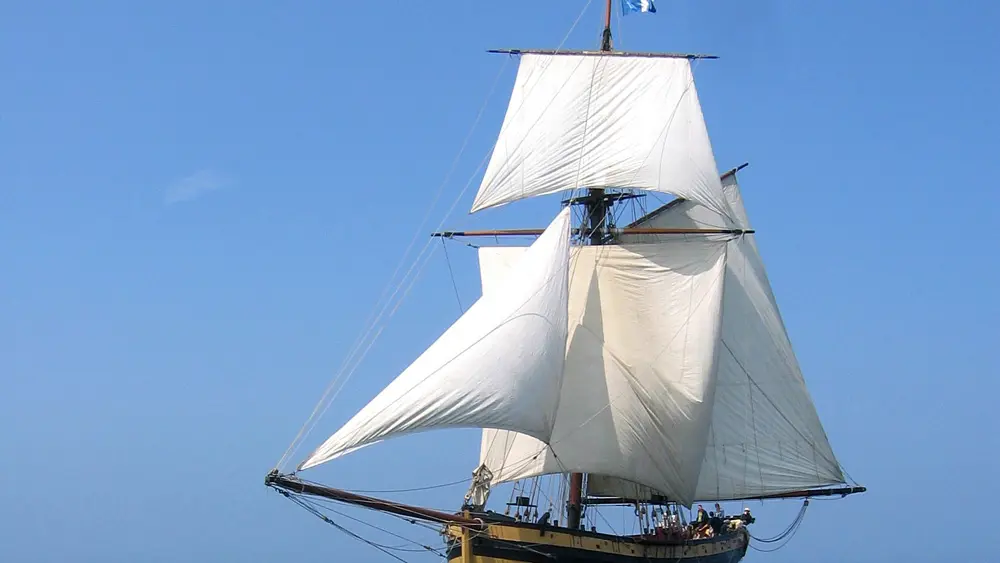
715	521
747	517
702	516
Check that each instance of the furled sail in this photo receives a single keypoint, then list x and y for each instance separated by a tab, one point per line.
584	120
765	436
499	366
640	368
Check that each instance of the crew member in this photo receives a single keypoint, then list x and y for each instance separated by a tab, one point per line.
702	516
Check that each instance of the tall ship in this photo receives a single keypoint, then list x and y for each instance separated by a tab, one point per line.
638	363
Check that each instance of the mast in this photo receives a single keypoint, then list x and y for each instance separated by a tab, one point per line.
606	38
597	216
597	205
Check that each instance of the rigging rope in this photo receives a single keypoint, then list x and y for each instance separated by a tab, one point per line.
451	273
785	536
420	546
314	507
410	490
329	521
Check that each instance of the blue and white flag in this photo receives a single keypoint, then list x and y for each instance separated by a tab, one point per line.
630	6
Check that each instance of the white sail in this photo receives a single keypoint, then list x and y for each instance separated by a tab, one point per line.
578	121
765	437
499	366
640	368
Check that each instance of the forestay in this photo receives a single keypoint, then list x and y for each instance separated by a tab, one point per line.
640	368
500	365
577	121
765	436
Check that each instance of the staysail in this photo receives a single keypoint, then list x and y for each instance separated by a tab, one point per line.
500	365
602	120
766	437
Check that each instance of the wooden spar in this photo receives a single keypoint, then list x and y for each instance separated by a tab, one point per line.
287	483
641	54
679	231
493	233
809	493
734	171
625	231
597	501
804	493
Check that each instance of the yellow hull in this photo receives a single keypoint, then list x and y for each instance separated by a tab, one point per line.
503	542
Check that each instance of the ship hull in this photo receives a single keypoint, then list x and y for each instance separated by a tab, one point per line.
529	543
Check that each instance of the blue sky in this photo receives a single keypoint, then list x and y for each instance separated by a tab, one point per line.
200	202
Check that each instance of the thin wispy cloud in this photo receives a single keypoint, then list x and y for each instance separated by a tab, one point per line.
195	186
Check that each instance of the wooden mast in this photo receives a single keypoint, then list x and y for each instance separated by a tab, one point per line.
606	38
597	217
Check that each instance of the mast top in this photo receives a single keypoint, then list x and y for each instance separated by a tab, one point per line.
606	36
